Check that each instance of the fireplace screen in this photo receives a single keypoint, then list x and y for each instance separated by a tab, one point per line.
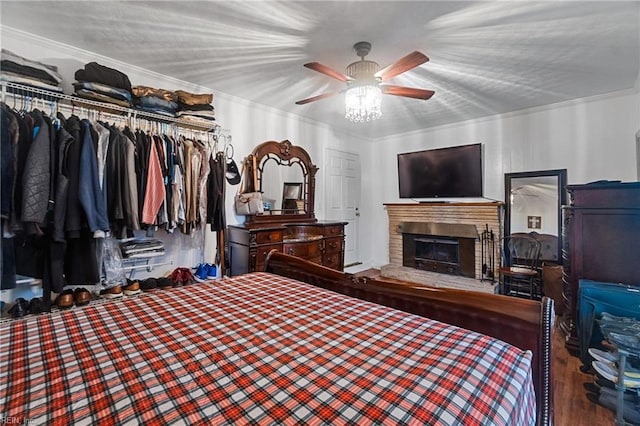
443	254
437	249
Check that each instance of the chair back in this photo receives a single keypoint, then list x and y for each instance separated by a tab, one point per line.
520	250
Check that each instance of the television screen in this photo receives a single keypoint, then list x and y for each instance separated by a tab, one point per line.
444	172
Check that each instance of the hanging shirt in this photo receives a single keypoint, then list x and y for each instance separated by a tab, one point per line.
155	193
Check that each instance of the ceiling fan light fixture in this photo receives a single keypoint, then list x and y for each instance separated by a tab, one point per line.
363	103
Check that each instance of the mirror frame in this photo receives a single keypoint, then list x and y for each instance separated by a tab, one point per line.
561	174
285	151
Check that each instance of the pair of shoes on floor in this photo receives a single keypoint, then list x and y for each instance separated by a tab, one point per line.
609	400
609	372
165	282
150	284
80	297
205	271
613	358
182	276
113	292
22	307
132	288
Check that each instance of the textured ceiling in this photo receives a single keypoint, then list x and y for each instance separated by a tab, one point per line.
486	57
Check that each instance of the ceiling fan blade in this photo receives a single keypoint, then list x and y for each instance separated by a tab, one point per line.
327	71
408	92
317	98
410	61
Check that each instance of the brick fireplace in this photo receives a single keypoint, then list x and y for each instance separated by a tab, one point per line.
439	244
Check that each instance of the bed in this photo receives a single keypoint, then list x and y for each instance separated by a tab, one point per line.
297	344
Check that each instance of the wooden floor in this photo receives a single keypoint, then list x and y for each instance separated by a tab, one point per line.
571	406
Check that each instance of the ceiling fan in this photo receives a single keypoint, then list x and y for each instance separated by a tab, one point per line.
368	73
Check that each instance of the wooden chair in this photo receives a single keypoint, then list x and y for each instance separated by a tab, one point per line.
520	266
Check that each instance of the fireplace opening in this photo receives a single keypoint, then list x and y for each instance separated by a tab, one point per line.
443	250
447	255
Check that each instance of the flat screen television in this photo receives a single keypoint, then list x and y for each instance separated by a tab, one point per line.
441	173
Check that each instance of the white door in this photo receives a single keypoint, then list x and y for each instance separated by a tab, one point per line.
343	197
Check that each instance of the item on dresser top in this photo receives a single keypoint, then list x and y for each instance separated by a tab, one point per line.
17	65
249	203
96	73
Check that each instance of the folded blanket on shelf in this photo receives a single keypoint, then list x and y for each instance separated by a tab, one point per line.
103	89
28	68
193	99
141	91
96	73
28	81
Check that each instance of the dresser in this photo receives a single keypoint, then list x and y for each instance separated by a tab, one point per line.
601	242
321	242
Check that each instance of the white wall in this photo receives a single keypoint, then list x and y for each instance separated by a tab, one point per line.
593	138
249	124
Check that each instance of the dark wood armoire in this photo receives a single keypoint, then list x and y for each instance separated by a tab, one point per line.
601	241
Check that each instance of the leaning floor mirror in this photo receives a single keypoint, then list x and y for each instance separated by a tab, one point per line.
533	204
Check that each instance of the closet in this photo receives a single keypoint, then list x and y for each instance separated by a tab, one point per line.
147	172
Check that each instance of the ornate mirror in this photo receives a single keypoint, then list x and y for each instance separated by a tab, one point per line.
533	202
285	176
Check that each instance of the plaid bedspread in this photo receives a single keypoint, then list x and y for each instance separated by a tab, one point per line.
256	349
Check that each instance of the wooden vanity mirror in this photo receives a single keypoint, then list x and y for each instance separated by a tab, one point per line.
280	168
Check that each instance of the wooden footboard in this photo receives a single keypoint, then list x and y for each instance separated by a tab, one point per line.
523	323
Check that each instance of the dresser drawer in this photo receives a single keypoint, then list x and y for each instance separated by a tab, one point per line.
261	255
333	261
269	236
305	250
333	230
333	245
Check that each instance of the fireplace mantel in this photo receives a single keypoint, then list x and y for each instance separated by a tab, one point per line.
475	217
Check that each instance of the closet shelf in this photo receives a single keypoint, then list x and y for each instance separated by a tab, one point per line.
23	90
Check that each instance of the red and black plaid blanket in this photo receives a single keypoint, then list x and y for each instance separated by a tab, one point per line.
256	349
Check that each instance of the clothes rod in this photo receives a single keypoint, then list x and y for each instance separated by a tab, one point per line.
24	91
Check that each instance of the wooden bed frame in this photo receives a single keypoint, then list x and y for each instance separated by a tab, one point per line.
526	324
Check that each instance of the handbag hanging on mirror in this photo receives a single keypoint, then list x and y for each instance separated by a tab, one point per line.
247	203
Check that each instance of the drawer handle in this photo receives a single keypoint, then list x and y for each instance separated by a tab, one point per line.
333	245
269	237
291	251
